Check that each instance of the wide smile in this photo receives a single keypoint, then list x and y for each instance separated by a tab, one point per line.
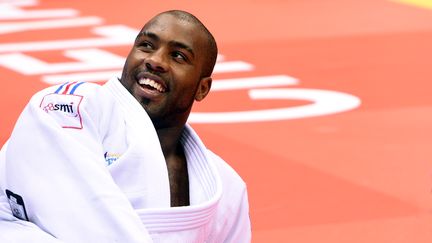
151	84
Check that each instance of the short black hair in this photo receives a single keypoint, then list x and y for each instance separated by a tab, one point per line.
212	46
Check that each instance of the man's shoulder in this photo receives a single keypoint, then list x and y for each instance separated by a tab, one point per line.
69	94
70	104
228	174
69	89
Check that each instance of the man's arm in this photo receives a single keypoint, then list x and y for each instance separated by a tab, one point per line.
54	161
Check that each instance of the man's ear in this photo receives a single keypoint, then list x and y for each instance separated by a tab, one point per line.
203	88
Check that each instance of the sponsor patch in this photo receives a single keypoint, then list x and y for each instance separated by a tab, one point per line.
64	108
63	105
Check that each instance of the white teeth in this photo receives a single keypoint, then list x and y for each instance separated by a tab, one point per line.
152	84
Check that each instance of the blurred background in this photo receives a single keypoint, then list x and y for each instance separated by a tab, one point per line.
323	107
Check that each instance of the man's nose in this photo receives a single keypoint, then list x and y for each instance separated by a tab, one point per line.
157	61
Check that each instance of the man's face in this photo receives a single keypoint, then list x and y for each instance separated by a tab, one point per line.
163	69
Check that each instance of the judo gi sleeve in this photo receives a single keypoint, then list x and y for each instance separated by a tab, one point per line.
54	162
241	228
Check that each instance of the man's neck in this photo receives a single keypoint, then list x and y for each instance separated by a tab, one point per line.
176	164
169	139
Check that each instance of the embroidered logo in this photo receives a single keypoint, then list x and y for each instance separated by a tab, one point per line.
63	105
111	157
66	108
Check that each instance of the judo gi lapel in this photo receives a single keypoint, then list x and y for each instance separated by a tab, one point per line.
192	223
205	182
143	158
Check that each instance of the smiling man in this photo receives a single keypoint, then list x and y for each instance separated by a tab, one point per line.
122	165
167	69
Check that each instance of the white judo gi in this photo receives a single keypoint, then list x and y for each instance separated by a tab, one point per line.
84	164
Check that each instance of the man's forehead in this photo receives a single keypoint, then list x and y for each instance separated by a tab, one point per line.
179	29
165	20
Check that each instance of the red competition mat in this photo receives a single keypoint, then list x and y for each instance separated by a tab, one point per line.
323	107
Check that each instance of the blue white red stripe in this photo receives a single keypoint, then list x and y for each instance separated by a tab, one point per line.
68	88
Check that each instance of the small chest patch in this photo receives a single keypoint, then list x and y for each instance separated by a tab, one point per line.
111	157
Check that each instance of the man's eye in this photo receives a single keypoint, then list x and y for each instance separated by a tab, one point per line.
179	56
145	45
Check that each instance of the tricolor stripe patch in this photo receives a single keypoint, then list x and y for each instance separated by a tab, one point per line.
68	88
